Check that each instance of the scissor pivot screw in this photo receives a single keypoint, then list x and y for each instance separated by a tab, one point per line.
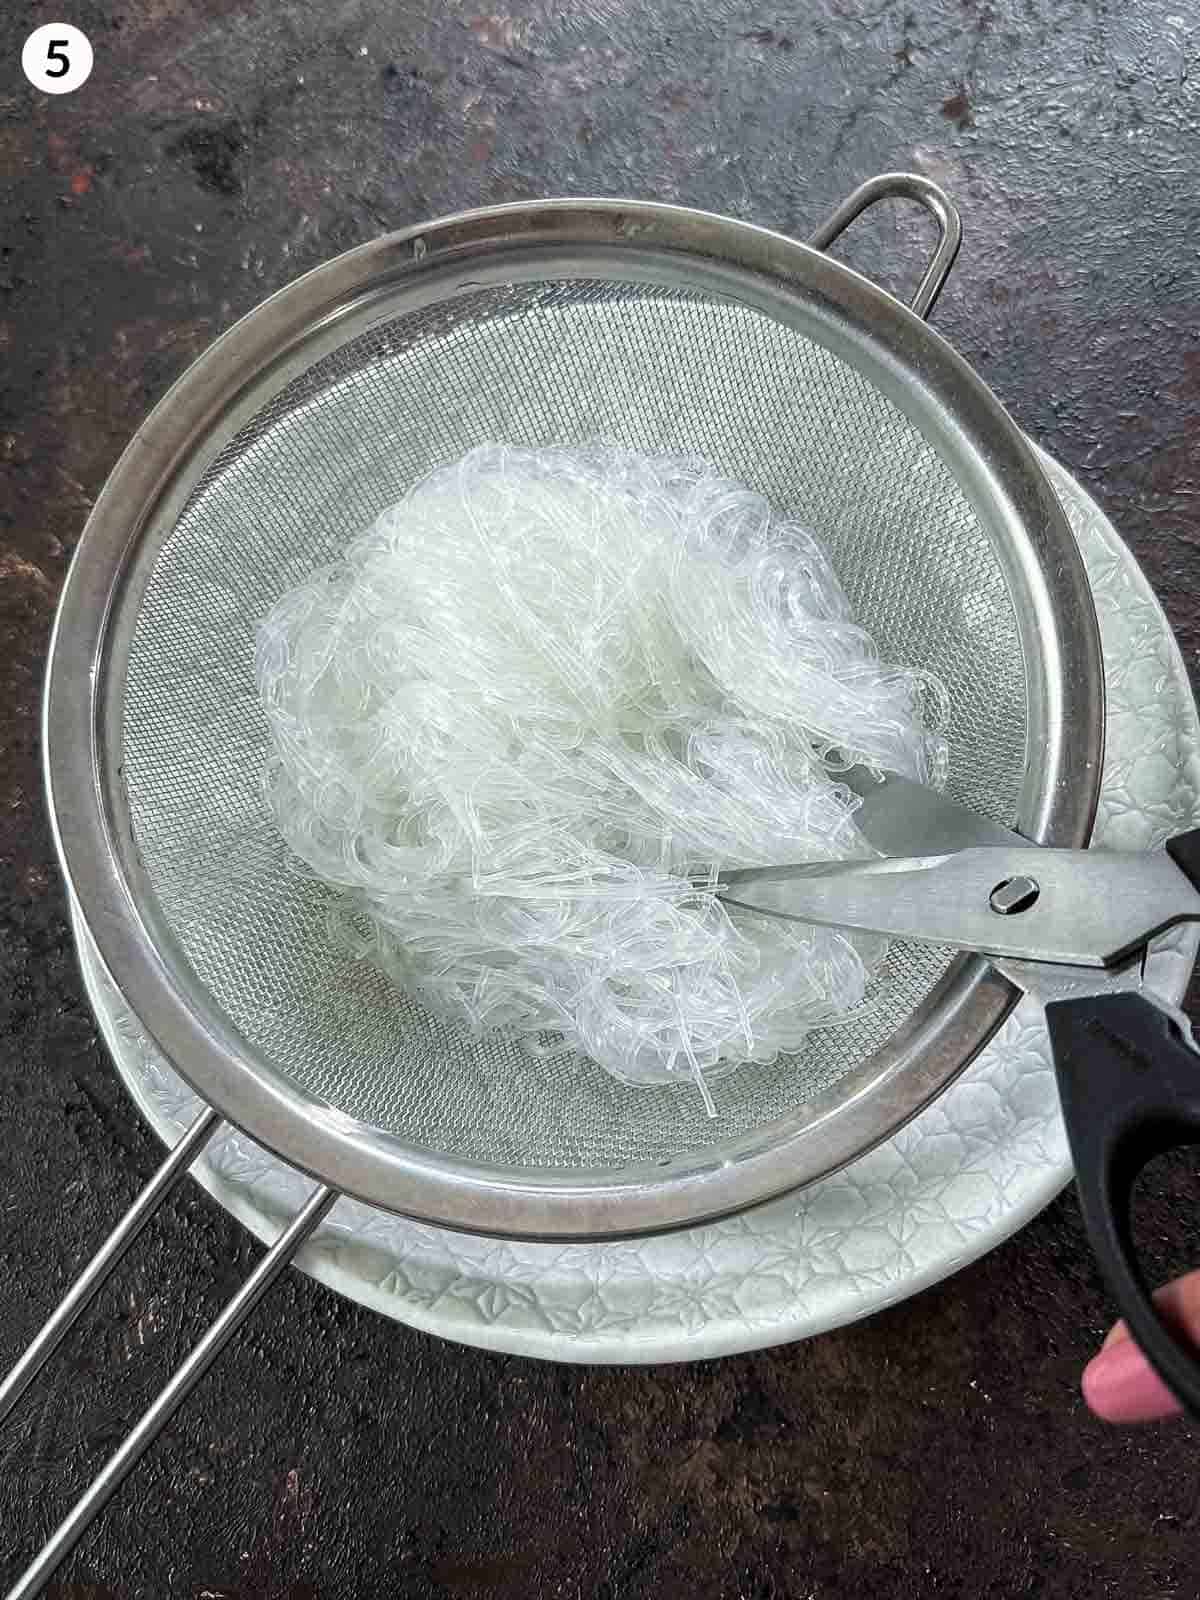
1013	895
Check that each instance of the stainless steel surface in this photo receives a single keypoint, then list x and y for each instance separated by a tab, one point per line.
98	1269
903	186
902	818
1046	981
91	1503
1014	895
1091	907
663	328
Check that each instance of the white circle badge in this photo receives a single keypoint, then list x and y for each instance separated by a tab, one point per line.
57	58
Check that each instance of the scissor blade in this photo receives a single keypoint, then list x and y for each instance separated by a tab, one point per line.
1089	907
1048	981
901	818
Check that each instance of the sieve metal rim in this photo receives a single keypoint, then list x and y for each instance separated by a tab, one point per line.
100	864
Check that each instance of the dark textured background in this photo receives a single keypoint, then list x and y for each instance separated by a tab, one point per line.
219	149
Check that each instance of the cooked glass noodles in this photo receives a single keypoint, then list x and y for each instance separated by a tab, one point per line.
538	695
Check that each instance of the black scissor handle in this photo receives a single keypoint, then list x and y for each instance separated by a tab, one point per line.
1129	1082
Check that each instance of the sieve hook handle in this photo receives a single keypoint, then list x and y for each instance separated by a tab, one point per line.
186	1376
903	186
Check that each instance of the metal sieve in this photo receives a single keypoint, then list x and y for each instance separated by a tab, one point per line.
666	330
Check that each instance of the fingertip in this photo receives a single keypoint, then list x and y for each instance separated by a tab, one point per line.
1119	1385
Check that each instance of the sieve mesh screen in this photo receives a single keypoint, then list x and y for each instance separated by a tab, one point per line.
657	370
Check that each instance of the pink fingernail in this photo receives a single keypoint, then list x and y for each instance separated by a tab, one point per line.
1119	1385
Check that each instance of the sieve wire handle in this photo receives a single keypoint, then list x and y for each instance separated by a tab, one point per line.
185	1378
106	1260
903	186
